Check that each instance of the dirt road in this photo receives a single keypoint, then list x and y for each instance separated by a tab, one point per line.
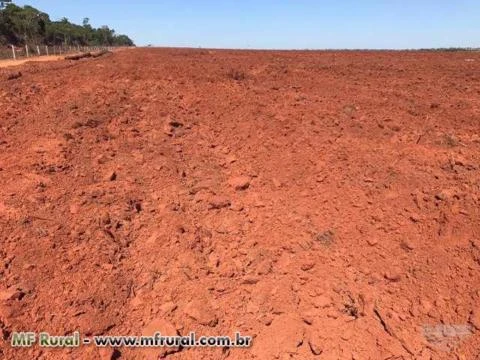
325	203
10	62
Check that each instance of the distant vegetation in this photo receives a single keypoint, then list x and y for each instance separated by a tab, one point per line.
27	25
452	49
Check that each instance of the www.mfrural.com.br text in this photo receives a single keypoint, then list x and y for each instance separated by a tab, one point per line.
157	340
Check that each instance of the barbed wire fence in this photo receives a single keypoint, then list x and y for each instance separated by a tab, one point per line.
27	51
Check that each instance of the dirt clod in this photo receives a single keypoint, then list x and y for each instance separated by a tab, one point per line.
14	75
316	344
201	312
239	182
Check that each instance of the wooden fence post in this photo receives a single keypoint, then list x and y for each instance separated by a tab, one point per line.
13	51
26	50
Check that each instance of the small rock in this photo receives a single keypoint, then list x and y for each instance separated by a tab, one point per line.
406	244
392	276
102	159
315	344
250	280
308	265
201	312
240	182
112	176
372	241
219	202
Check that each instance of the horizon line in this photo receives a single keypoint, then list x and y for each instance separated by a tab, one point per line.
451	49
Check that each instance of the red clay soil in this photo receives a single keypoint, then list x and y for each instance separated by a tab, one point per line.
325	203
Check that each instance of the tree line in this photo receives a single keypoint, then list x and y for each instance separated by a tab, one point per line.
29	26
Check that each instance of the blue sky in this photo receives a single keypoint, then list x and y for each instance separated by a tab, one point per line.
282	24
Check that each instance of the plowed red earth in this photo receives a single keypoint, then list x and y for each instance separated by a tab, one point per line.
325	203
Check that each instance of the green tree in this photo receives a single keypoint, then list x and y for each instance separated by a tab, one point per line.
27	25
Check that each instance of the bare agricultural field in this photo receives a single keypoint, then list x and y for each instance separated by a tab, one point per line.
324	203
